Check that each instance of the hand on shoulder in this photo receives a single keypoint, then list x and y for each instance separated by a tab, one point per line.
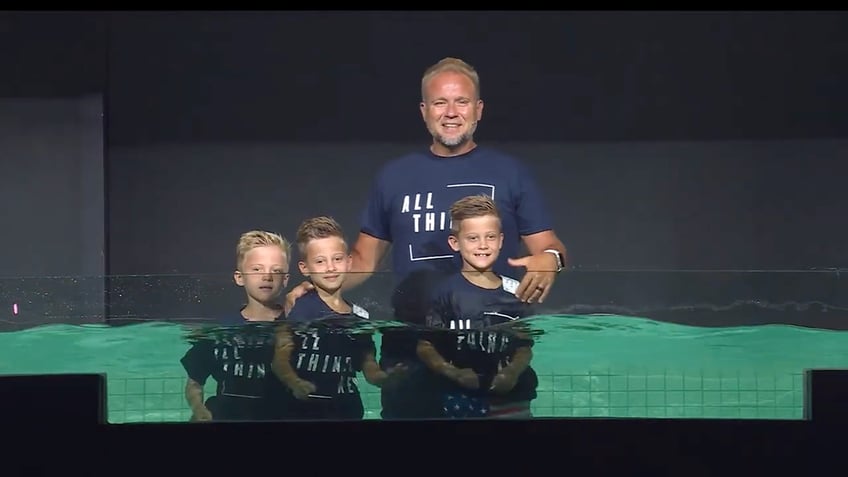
297	292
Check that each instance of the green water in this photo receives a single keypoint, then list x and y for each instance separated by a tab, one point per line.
590	365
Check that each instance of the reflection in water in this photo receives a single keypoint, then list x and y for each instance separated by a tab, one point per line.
307	370
530	325
587	365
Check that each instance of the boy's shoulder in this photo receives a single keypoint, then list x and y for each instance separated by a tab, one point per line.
305	306
456	280
359	311
509	284
311	306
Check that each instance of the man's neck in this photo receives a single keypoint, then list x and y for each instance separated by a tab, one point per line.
440	150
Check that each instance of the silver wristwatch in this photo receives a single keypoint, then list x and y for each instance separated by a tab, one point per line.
560	261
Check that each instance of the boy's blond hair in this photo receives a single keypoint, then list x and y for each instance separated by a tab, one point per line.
260	238
471	207
454	65
317	228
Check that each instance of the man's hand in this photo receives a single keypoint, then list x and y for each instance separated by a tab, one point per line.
541	273
296	293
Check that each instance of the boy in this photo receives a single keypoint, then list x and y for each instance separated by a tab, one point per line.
239	361
484	368
320	366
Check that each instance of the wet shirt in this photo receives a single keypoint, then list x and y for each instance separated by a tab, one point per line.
326	355
473	328
238	358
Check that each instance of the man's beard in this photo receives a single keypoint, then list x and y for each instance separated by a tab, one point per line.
456	141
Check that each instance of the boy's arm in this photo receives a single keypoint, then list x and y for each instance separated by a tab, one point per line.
194	397
519	362
371	370
434	360
197	363
281	363
440	314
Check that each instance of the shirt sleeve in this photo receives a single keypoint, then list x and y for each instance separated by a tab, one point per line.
439	318
298	311
198	362
531	211
440	311
375	217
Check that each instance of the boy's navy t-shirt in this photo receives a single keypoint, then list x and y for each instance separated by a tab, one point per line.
328	357
472	314
409	206
239	360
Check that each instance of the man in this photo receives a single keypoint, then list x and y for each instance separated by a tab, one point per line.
408	208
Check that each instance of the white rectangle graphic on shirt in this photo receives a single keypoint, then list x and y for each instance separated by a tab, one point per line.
491	186
412	257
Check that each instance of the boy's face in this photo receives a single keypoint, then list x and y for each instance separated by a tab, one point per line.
326	262
478	241
264	273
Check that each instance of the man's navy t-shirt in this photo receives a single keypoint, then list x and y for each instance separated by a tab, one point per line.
409	206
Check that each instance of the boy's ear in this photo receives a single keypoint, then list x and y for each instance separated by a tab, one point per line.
453	242
301	265
238	277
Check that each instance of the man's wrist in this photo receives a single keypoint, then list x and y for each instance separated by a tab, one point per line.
559	259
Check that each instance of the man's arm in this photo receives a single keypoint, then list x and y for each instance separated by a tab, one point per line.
536	229
539	242
367	253
541	266
546	240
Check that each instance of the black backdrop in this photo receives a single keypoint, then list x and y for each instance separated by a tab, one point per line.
665	141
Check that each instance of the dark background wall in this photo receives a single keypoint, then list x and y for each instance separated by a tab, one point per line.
53	228
664	141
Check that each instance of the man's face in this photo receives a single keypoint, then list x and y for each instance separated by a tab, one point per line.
451	110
